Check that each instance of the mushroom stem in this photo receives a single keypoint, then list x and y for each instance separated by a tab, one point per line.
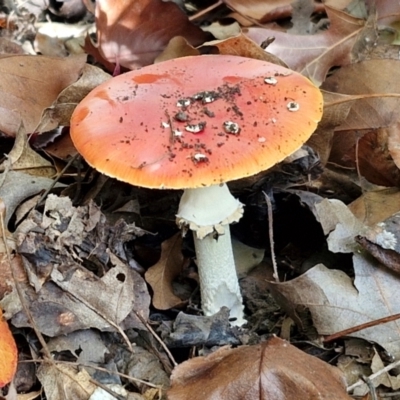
208	212
218	279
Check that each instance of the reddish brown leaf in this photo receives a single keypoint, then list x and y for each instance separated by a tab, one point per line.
369	149
273	370
132	33
8	353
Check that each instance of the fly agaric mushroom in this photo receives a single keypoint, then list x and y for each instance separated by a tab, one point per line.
195	123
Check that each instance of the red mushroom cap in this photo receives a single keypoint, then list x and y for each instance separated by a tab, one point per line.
195	121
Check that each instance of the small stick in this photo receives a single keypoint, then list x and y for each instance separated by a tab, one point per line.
271	236
151	330
375	375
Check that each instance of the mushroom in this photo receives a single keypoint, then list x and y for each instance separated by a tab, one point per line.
195	123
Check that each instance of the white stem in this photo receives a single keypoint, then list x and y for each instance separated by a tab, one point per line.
208	211
218	279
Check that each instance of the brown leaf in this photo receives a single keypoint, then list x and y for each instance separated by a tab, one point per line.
368	150
161	275
377	84
337	303
177	47
30	84
273	370
65	382
243	46
336	109
314	55
132	33
389	258
59	113
265	10
24	159
375	206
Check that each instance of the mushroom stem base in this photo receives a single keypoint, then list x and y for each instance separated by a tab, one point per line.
218	279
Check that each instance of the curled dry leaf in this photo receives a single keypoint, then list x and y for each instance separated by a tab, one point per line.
273	370
24	159
314	55
8	353
243	46
59	113
29	84
161	275
132	33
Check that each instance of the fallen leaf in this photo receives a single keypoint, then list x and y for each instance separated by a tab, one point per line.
379	97
368	151
132	33
243	46
8	353
15	187
272	370
315	55
59	113
67	296
23	158
194	330
65	382
145	365
30	84
375	206
86	345
161	275
337	303
265	10
341	225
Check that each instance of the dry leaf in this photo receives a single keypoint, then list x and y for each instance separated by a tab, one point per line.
377	84
59	113
337	303
65	382
22	158
273	370
132	33
8	353
314	55
375	206
15	187
243	46
30	84
161	275
264	10
177	47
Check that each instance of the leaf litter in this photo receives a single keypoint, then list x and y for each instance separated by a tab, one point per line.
108	305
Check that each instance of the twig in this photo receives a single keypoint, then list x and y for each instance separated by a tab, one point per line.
205	10
371	387
151	330
58	176
271	236
375	375
360	327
